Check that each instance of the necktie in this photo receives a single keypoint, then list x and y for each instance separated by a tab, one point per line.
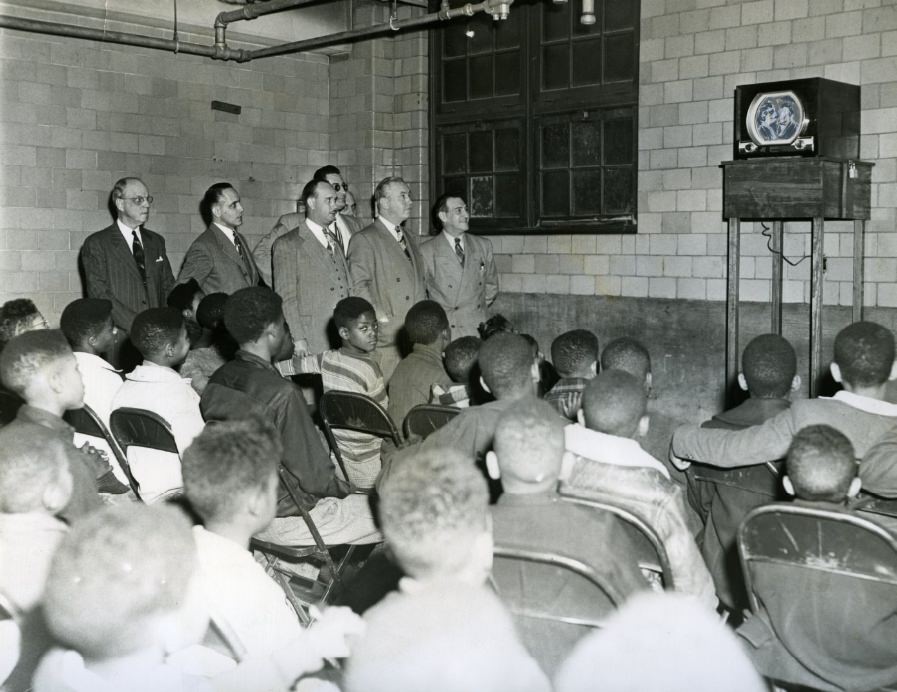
459	251
139	255
331	242
337	236
402	242
238	244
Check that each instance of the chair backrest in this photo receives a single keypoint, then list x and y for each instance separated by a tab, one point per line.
427	418
554	599
815	540
9	406
650	552
353	411
136	427
85	421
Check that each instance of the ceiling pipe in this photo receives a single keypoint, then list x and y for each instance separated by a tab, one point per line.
254	10
444	14
215	52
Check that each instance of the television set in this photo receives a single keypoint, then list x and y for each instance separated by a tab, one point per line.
797	117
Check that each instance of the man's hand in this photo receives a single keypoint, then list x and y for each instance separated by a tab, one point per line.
570	403
300	348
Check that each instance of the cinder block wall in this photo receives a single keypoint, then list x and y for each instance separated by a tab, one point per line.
693	54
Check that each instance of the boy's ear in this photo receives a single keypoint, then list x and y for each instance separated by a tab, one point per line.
343	333
594	367
534	371
643	424
788	485
835	369
484	385
492	465
795	383
742	382
893	375
854	488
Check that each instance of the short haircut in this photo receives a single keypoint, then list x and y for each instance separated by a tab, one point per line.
14	314
506	362
29	354
628	355
529	441
83	318
118	188
432	506
865	353
441	205
182	295
574	351
769	365
29	464
380	190
311	189
115	571
461	358
324	171
821	464
226	461
614	402
211	197
249	311
154	329
425	321
210	312
494	325
349	310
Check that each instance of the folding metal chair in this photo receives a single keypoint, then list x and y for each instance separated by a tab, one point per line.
824	581
353	411
87	422
137	427
427	418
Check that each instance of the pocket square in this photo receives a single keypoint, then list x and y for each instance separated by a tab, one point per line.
159	259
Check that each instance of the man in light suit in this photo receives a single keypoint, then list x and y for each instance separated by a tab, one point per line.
219	259
459	268
386	267
310	271
126	263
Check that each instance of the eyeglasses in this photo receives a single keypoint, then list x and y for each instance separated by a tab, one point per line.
339	186
140	199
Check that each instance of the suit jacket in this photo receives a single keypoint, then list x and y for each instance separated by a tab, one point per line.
353	225
213	261
110	272
311	283
383	275
463	292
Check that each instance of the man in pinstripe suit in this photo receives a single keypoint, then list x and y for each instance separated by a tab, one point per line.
126	263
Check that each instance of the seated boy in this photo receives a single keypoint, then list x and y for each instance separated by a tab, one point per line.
251	384
429	332
443	630
351	368
610	464
161	337
40	368
527	455
820	627
17	317
230	479
215	346
575	357
723	497
863	363
461	365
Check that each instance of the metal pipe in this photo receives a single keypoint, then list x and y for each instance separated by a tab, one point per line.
366	32
166	44
252	11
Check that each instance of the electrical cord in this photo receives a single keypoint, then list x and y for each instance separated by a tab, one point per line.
767	233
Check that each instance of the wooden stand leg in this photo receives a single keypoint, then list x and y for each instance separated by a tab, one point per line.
776	294
732	302
859	229
817	236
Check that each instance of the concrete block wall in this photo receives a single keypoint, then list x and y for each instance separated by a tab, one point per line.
693	54
77	115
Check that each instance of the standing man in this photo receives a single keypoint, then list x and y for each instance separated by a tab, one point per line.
459	268
310	271
126	263
346	225
386	267
219	259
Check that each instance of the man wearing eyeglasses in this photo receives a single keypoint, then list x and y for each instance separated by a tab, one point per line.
126	263
344	225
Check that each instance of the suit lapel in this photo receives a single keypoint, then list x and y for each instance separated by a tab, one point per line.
227	248
120	249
